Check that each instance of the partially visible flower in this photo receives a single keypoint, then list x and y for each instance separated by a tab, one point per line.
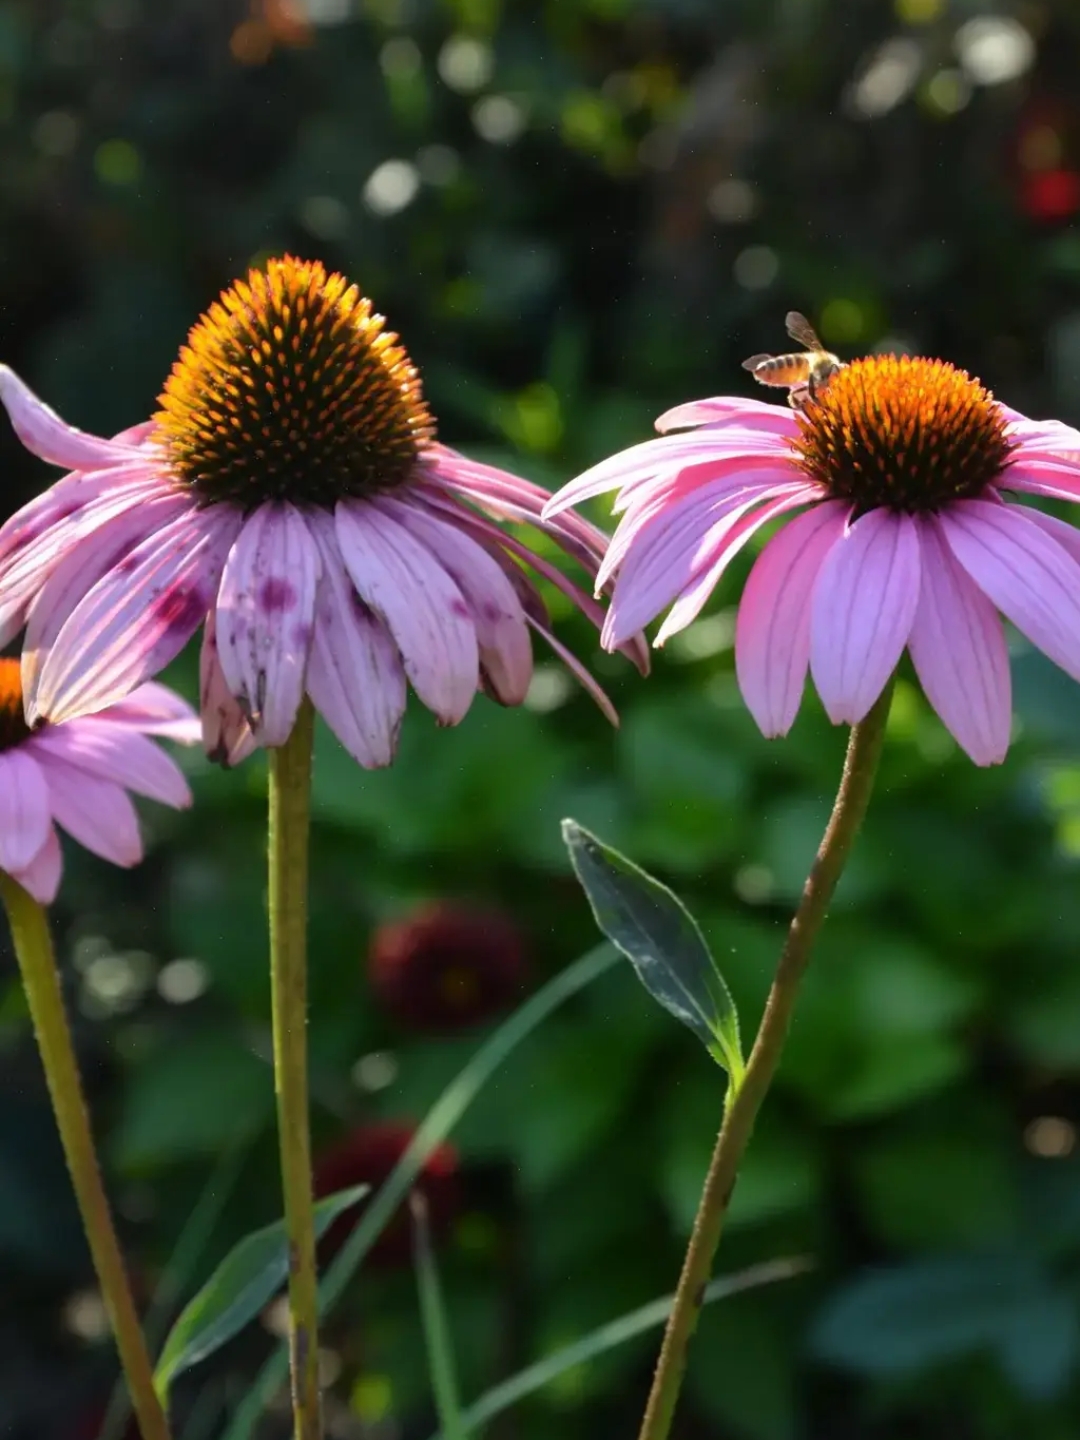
289	495
905	470
77	775
366	1156
447	967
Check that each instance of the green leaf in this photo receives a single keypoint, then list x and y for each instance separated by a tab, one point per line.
245	1281
661	939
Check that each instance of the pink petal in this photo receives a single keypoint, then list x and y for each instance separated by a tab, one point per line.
508	497
96	813
772	632
24	809
641	462
265	613
499	541
355	676
676	547
1044	477
727	538
41	878
1047	436
501	632
136	619
580	673
423	609
863	608
226	734
154	709
29	565
1029	575
957	645
724	409
96	746
44	434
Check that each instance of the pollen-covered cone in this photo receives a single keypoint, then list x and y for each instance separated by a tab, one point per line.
78	776
290	498
906	472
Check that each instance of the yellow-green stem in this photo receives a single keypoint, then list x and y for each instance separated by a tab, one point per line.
745	1099
290	800
41	982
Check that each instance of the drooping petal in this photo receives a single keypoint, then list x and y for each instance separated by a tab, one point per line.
1054	479
501	542
727	538
226	734
673	549
1041	436
98	747
652	457
265	611
727	409
501	631
1026	572
80	565
96	813
863	607
41	878
355	676
424	610
44	434
957	645
580	673
24	809
772	631
154	709
135	619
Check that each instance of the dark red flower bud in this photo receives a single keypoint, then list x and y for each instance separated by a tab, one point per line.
366	1156
447	967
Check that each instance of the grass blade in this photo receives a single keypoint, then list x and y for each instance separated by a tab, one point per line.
433	1316
616	1332
440	1120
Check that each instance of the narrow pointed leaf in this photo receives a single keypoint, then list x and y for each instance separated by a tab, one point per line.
246	1280
661	939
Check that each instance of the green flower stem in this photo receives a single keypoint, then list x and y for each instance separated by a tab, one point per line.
746	1096
37	964
290	798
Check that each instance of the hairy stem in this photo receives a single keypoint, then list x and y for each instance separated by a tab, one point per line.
745	1099
41	982
290	794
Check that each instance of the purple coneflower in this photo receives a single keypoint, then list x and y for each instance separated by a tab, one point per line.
290	496
77	776
902	468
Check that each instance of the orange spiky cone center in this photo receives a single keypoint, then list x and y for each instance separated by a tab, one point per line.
290	388
13	727
903	432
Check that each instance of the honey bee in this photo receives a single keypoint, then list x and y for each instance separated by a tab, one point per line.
805	375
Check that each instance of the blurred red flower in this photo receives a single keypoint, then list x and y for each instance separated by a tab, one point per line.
366	1156
447	967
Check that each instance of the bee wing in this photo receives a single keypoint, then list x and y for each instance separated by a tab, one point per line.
754	361
800	329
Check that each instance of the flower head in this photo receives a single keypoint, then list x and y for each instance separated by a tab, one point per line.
905	471
366	1156
447	967
290	497
77	775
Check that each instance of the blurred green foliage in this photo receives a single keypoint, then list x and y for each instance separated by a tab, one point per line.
578	212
